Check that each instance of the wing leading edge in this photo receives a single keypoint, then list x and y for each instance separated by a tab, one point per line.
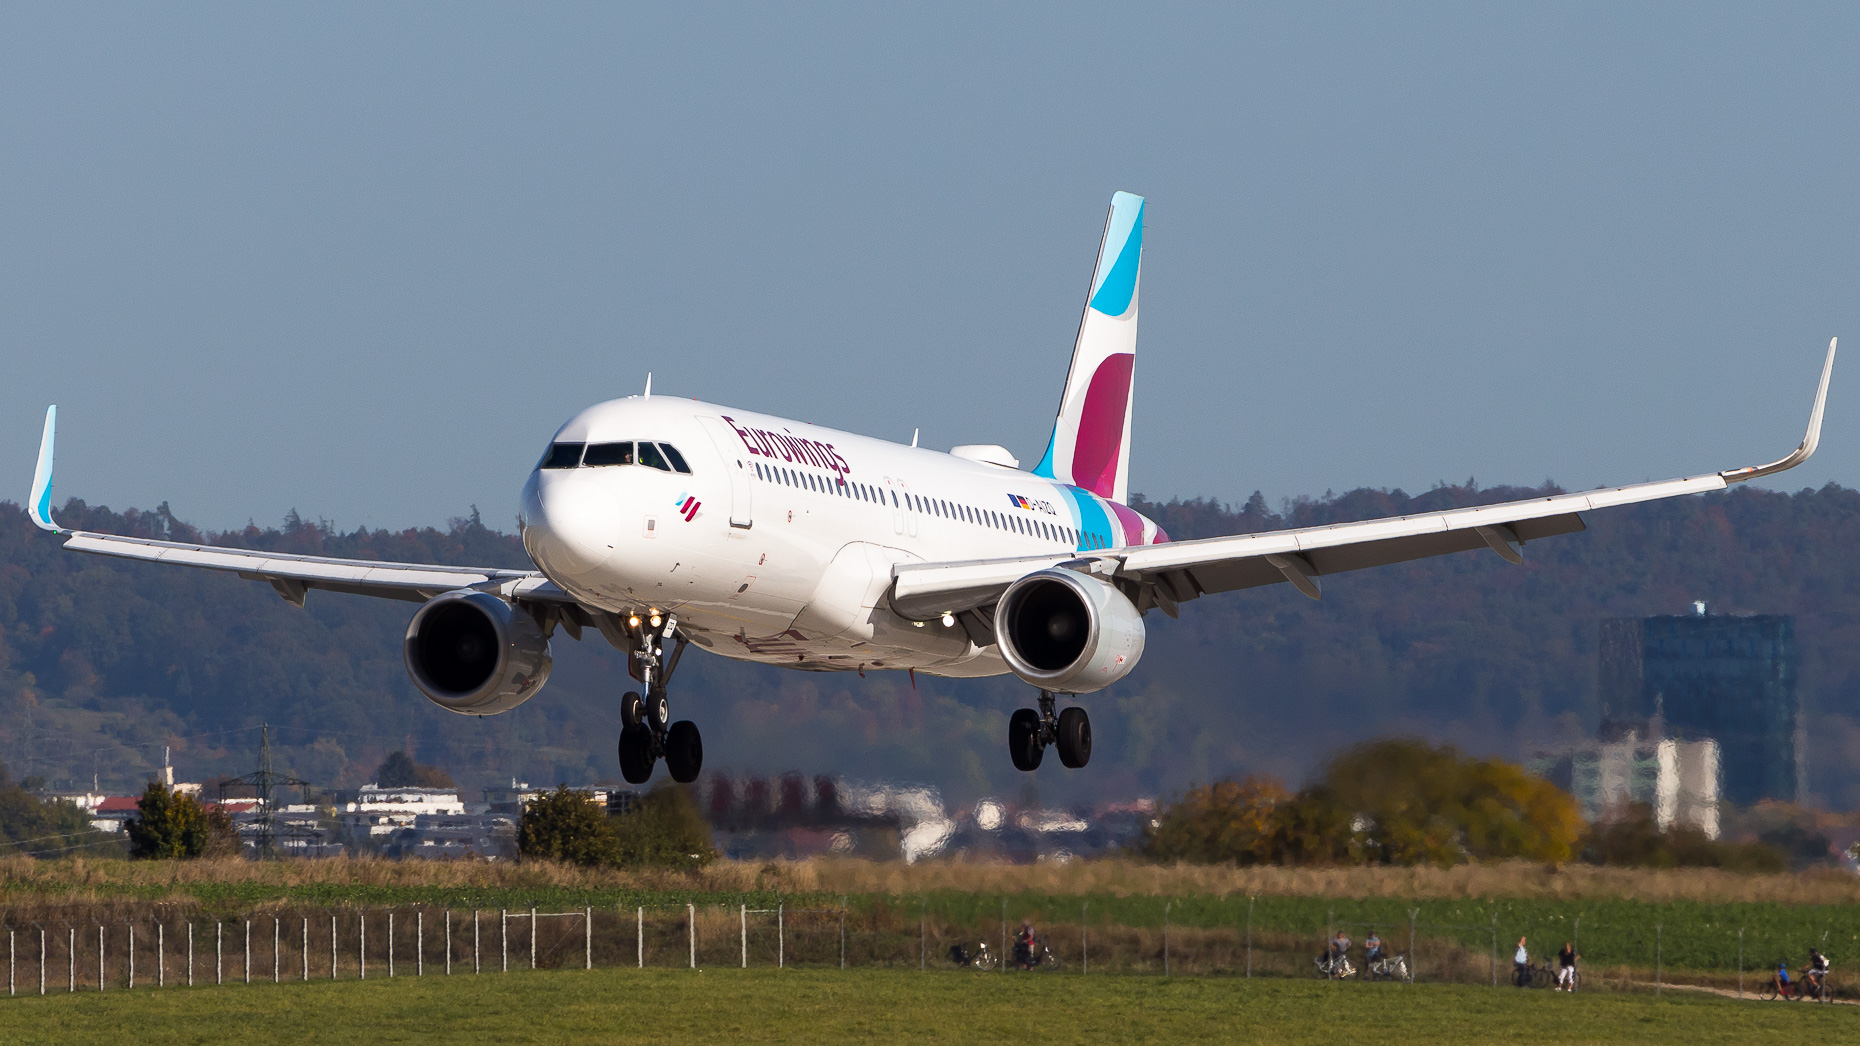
1164	575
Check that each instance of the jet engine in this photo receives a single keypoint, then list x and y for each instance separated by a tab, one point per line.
475	654
1068	632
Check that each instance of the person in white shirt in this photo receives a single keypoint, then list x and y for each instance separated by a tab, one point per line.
1521	966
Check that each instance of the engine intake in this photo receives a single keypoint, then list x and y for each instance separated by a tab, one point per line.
475	654
1064	631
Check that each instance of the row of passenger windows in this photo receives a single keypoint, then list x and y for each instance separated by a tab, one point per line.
933	506
661	456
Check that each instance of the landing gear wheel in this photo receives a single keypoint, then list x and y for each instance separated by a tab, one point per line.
1024	739
684	751
1074	737
658	710
632	709
636	754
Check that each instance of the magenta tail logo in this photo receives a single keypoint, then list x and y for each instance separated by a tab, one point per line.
687	505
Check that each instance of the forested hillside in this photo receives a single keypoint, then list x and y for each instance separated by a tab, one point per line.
102	662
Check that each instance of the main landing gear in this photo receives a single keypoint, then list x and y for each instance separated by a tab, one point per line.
648	734
1029	732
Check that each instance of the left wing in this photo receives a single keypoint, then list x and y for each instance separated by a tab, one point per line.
1167	574
293	576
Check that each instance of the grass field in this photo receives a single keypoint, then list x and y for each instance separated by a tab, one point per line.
825	1007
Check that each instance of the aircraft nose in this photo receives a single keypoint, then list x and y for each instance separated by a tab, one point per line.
568	524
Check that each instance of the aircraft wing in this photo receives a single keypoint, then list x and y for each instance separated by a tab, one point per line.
293	576
1166	574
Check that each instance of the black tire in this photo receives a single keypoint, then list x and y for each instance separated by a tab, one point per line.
1074	740
1024	739
636	754
632	709
684	751
658	710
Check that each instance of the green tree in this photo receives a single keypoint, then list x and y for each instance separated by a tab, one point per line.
399	770
47	828
567	825
171	825
664	827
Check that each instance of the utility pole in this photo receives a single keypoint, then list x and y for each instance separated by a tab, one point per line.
264	783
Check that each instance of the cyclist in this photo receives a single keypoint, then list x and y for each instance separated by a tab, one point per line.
1521	966
1566	967
1333	956
1781	979
1372	949
1817	974
1024	939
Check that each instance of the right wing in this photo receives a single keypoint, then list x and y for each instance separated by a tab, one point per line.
291	575
1175	572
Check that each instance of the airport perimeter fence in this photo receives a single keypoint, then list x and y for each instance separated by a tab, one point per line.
142	946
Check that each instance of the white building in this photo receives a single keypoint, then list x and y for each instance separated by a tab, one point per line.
384	811
1678	779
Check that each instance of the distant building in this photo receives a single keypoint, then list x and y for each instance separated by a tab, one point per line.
1677	779
1728	678
512	800
378	811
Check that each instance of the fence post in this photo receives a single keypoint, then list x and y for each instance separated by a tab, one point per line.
161	955
304	953
41	960
419	942
842	932
70	960
190	955
361	945
781	935
474	941
1740	962
277	941
1166	909
100	977
448	942
691	929
132	955
587	938
248	951
639	934
532	937
1249	937
1656	959
219	952
743	930
390	945
11	962
503	939
332	947
1414	960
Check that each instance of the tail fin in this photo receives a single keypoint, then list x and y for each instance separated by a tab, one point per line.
1090	446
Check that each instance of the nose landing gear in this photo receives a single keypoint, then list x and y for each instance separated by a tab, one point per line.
647	733
1029	732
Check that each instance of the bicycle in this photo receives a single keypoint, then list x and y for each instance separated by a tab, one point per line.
980	962
1334	970
1035	957
1776	989
1390	968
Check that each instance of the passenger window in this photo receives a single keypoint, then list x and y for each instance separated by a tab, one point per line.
562	456
677	459
894	499
609	454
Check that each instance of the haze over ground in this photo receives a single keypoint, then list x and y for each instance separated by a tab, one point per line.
361	261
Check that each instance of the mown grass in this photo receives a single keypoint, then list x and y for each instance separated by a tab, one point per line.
825	1007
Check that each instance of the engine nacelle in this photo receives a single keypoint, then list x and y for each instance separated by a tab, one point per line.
475	654
1064	631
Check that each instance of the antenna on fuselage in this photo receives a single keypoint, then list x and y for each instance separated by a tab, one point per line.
648	384
914	433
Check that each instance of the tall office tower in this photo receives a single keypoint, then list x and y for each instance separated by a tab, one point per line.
1729	678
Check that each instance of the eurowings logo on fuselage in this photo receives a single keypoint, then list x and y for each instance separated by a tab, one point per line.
687	505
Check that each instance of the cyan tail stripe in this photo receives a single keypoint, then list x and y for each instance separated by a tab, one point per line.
1091	516
1116	280
42	475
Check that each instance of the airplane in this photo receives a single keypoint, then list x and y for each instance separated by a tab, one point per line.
661	522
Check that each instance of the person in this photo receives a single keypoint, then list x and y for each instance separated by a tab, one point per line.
1817	971
1372	949
1024	939
1334	955
1521	966
1782	978
1566	967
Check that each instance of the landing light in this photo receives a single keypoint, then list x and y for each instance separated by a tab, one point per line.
655	621
918	624
949	620
633	622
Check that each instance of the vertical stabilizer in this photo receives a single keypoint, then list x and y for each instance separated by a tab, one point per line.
1090	446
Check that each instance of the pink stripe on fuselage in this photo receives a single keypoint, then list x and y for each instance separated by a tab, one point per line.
1101	426
1131	523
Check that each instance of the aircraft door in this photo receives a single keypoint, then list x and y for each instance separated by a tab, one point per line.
910	512
897	505
737	465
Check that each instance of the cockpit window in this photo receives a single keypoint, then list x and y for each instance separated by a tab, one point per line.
677	459
609	454
650	457
562	456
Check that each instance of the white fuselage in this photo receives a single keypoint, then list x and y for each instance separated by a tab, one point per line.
778	544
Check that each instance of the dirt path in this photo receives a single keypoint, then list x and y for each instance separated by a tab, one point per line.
1727	993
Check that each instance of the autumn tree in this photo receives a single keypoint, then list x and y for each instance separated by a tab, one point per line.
399	770
172	825
1228	821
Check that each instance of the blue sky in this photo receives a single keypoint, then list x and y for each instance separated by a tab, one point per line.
361	260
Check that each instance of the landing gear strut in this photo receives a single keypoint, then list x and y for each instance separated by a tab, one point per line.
647	732
1029	732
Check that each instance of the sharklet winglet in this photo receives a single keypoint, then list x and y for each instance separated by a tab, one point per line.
40	504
